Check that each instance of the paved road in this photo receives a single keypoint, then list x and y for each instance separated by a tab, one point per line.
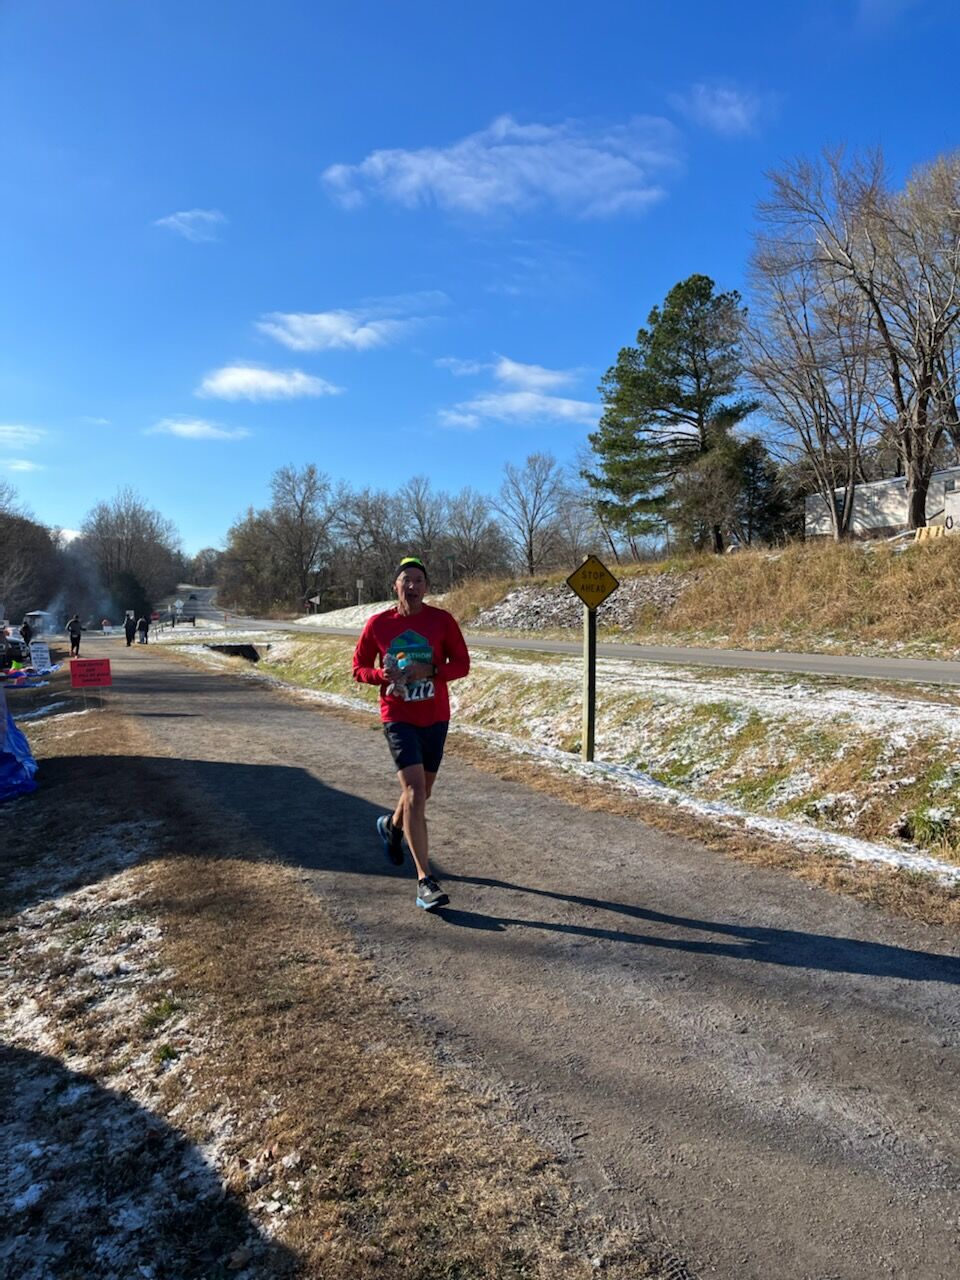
826	664
760	1072
924	671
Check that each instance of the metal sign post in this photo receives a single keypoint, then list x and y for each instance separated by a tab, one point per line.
592	582
589	682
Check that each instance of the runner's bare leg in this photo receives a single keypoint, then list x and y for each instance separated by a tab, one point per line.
411	813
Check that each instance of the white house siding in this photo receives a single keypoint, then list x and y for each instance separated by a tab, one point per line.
880	507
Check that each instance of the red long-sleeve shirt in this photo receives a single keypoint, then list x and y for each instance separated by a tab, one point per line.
432	635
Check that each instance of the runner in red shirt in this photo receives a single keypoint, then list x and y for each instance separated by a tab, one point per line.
412	652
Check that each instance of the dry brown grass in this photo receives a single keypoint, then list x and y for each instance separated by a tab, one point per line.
403	1172
817	593
471	597
824	590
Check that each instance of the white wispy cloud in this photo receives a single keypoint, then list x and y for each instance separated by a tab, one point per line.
462	368
251	382
459	418
16	436
196	429
22	464
585	170
531	377
198	225
95	422
376	323
330	330
527	377
521	407
723	109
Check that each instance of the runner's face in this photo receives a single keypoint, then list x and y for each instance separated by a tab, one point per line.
411	587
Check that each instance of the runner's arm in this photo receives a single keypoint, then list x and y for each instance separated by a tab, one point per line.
365	655
457	659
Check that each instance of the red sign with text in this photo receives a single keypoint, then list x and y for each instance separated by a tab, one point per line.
90	673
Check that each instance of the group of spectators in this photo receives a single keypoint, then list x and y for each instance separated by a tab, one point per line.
139	628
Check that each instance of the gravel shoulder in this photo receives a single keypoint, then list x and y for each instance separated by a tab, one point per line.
756	1070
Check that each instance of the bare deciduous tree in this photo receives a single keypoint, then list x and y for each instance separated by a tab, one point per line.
900	251
578	530
476	541
250	574
529	501
370	524
126	537
811	354
298	521
204	566
426	515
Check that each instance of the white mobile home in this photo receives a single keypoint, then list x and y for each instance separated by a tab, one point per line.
880	508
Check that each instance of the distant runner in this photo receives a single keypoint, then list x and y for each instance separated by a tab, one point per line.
74	631
412	652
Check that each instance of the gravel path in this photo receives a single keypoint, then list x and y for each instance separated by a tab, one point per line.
762	1073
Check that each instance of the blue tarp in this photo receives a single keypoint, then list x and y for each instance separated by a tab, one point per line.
18	768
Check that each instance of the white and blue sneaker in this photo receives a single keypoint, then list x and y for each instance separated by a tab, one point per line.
430	895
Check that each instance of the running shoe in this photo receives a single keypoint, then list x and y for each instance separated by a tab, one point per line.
430	895
392	840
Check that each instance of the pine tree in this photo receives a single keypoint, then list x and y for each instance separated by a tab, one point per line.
667	402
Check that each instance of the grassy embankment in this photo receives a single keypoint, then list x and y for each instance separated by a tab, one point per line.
857	598
786	746
762	743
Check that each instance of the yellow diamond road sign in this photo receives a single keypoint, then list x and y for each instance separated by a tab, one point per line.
592	582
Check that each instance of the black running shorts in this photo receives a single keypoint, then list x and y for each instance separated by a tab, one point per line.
416	744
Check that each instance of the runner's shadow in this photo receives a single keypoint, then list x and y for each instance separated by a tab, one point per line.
95	1185
471	919
792	948
280	811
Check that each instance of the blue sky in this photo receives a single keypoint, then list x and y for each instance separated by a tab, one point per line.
391	239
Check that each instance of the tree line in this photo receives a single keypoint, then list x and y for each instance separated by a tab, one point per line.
310	546
323	543
849	355
126	557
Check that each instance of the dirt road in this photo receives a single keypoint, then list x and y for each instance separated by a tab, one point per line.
762	1073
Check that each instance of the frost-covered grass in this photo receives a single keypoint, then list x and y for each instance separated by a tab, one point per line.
871	763
94	1180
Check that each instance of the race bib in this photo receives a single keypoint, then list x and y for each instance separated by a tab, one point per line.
419	690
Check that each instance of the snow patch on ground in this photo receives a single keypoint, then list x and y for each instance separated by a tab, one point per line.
94	1179
772	695
354	616
217	635
40	711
